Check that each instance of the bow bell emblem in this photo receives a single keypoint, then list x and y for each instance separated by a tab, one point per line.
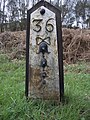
43	44
39	40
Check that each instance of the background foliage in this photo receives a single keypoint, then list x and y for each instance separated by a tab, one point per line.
13	13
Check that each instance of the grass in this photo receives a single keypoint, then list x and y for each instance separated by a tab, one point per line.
13	105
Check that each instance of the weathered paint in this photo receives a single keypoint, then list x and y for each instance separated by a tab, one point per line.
50	90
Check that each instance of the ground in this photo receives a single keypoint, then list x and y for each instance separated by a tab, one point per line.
14	106
76	104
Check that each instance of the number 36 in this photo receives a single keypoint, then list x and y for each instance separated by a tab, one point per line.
49	27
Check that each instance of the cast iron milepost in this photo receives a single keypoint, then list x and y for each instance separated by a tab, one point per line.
44	53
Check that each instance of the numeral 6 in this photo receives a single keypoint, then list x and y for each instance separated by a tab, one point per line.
49	27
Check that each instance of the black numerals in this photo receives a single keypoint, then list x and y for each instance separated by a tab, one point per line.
49	27
38	27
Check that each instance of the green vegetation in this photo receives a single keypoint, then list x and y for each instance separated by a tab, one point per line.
13	105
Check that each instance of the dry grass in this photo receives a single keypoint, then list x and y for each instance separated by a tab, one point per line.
76	44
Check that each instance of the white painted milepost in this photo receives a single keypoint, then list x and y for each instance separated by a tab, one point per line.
43	28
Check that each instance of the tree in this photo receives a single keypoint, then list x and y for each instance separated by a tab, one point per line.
72	10
87	21
82	10
2	14
13	13
12	9
67	9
